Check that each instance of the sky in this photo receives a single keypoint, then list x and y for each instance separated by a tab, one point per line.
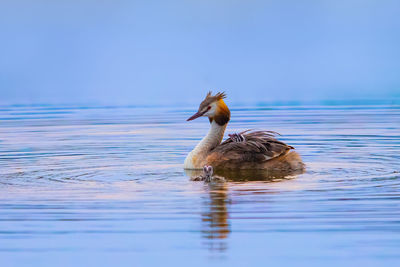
173	52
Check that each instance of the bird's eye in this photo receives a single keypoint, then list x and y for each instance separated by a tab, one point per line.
209	107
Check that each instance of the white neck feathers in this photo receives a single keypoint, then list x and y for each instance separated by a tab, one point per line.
209	142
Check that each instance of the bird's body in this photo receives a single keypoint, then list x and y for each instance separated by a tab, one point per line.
245	150
207	175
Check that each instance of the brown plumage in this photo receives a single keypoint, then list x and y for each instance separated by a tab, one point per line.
246	150
255	144
257	148
210	99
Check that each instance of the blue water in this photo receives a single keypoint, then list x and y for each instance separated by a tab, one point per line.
101	186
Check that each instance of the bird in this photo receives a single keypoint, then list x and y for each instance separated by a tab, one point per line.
207	175
246	150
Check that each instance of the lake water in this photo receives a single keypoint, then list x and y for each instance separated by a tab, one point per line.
101	186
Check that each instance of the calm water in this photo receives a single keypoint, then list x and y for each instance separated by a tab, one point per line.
105	185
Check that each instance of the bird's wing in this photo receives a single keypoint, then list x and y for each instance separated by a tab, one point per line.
257	147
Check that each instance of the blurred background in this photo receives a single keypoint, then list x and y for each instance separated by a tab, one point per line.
94	97
170	52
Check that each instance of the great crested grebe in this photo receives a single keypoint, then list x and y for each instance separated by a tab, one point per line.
207	175
248	150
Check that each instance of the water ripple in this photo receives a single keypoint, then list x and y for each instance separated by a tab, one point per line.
115	174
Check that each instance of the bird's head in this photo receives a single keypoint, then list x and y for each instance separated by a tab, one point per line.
213	107
208	170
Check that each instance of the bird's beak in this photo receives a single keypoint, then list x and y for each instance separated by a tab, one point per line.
195	116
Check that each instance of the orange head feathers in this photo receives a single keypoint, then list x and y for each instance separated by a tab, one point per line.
214	108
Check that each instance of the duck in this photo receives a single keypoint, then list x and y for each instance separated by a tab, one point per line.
246	150
207	175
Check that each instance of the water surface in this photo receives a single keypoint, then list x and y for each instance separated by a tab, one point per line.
105	185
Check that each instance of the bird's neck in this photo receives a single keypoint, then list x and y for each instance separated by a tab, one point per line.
213	138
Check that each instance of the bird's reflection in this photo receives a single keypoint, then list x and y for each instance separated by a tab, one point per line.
215	217
248	175
215	222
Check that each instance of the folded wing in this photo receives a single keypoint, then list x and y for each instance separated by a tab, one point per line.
257	147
